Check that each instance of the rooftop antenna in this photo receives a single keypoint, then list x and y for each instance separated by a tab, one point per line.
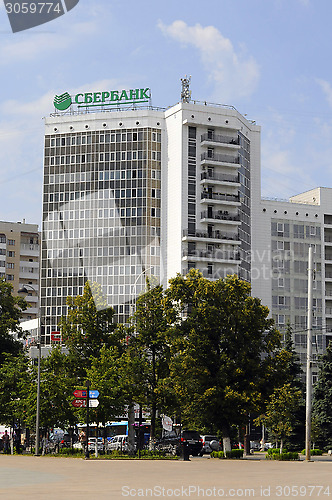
185	92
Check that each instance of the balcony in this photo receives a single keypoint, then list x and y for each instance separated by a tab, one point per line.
214	256
207	177
220	217
30	250
211	235
216	139
221	159
222	198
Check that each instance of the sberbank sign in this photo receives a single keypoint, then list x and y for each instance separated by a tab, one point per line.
106	98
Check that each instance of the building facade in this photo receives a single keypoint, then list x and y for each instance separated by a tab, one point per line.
137	192
284	232
19	261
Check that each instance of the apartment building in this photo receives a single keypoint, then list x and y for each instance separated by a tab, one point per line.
19	261
284	231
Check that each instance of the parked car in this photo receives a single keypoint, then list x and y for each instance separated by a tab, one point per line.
92	444
119	442
65	440
206	439
172	443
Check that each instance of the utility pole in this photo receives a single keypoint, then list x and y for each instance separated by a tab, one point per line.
309	355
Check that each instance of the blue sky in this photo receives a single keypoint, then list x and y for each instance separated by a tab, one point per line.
271	59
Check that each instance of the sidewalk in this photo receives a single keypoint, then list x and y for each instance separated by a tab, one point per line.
26	477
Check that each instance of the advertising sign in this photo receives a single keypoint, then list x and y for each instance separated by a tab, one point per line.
63	101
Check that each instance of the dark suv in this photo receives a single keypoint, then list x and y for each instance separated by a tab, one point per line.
173	443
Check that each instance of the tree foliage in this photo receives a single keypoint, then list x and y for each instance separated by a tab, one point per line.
87	327
322	407
280	415
223	347
11	308
15	381
153	317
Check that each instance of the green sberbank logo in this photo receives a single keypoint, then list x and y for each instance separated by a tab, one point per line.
106	98
62	102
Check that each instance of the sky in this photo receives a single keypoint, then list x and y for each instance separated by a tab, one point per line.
270	59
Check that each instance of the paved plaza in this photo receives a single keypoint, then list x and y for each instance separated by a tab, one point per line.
26	477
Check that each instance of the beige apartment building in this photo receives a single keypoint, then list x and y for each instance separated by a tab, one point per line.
19	261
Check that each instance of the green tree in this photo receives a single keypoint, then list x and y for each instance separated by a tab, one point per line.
153	317
87	327
107	376
280	415
292	373
321	406
15	380
223	348
56	392
11	308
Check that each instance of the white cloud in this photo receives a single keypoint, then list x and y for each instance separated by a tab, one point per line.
234	74
327	89
31	45
21	150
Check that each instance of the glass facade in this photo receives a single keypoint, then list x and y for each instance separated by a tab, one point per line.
101	217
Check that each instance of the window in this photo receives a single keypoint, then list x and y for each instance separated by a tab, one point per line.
281	282
10	277
10	253
11	242
281	319
10	265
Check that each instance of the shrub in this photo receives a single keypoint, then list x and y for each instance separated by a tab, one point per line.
314	452
71	452
234	454
272	451
217	454
152	453
288	455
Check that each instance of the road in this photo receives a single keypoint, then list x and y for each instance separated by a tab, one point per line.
48	478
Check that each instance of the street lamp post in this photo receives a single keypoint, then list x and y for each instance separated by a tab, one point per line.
24	290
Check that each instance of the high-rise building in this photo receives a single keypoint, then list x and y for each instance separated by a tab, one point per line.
133	191
19	261
284	231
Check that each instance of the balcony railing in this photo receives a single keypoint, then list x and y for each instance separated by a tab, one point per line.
224	139
211	235
215	254
219	177
220	158
206	215
219	196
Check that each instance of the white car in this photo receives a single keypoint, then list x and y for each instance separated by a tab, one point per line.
206	444
119	442
92	444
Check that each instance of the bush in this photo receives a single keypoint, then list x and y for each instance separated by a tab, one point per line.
152	453
234	454
272	451
217	454
71	452
314	452
288	455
